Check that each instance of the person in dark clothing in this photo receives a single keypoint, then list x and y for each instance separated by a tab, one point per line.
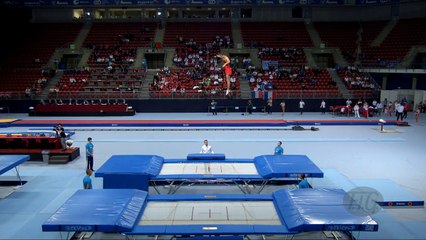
249	107
60	132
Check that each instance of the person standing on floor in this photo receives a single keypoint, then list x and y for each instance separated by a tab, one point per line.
89	154
356	111
249	107
278	149
322	107
269	106
87	181
400	112
418	115
206	148
282	105
60	132
301	106
213	105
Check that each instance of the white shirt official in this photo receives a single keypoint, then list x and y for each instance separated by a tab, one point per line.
206	149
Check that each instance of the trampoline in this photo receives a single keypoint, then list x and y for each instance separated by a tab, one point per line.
133	212
141	171
8	162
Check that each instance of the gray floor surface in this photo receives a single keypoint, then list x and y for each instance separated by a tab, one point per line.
347	155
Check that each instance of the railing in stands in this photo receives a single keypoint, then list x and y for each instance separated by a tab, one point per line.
13	95
276	94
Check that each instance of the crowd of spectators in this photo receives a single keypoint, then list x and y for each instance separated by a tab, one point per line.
114	58
299	78
193	54
289	54
201	81
354	79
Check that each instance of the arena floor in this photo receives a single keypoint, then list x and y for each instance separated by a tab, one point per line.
348	154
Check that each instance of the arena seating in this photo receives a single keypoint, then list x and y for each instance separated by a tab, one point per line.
200	32
109	34
17	80
357	82
406	33
280	41
110	74
114	44
31	53
178	84
98	83
309	83
342	35
275	34
41	41
370	30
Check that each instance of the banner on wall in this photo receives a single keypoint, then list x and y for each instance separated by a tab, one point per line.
174	2
373	2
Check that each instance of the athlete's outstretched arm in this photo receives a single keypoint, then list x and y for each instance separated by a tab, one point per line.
224	58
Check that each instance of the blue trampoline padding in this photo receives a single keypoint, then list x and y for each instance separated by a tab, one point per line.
149	165
286	166
126	181
319	209
206	156
214	238
8	162
98	210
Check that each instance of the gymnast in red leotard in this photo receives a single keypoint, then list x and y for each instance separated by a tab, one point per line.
228	71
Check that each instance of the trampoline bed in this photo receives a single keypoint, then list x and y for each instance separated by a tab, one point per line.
133	212
141	171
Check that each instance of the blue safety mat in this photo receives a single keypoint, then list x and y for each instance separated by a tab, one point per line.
137	164
268	166
98	210
321	209
8	162
286	166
